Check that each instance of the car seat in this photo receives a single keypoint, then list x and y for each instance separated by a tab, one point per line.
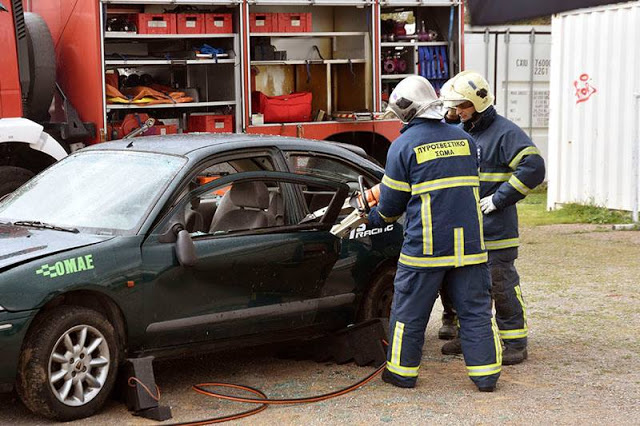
244	206
194	222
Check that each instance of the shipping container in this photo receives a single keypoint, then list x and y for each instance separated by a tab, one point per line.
515	61
594	104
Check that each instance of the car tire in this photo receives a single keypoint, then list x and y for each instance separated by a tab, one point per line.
62	376
377	299
11	178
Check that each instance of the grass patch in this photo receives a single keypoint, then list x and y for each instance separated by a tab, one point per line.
532	211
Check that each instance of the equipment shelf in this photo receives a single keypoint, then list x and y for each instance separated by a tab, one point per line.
140	62
111	107
411	44
124	35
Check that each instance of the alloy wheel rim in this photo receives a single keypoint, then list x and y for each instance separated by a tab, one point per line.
79	365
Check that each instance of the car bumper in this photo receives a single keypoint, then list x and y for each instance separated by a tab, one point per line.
13	328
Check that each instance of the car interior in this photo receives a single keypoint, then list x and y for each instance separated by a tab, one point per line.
256	204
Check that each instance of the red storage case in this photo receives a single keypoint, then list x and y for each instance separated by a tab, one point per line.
156	23
263	22
191	23
294	22
295	107
218	23
211	123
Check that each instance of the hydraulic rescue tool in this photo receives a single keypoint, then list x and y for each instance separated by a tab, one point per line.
360	209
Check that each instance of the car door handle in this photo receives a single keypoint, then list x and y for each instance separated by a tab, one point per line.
309	253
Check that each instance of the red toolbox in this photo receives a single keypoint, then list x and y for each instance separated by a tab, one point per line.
263	22
218	23
292	108
211	123
156	23
294	22
191	23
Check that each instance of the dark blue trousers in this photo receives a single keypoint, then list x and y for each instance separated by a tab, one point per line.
414	295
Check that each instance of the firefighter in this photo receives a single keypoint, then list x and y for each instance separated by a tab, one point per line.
510	167
432	176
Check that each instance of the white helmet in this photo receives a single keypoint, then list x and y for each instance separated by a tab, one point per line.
415	97
468	86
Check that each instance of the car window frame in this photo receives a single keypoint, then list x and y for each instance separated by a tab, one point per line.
170	220
179	193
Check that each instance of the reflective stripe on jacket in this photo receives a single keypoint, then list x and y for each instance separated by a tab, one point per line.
431	174
510	167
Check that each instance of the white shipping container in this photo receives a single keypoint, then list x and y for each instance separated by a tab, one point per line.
593	126
515	61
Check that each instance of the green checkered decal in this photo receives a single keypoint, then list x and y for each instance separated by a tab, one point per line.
66	266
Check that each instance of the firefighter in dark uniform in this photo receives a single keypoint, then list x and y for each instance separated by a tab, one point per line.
431	176
510	167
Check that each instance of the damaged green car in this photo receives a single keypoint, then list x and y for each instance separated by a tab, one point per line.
167	245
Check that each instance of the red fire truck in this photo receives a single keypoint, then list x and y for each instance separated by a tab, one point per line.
87	71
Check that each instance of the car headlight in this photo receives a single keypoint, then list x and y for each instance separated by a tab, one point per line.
1	308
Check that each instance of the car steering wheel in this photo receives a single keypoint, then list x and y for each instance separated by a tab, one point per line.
363	194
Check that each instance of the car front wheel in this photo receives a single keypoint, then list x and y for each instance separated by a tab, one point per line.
68	363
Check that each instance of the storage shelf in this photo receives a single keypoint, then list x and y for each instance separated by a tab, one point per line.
139	62
177	2
311	62
318	34
125	35
111	107
395	76
416	43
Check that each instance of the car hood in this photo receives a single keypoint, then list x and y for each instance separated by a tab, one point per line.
19	244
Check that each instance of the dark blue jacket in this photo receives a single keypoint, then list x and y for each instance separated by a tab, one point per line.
510	167
432	174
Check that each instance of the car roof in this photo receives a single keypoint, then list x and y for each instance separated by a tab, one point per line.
198	145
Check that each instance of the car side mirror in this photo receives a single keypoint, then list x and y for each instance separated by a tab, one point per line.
185	249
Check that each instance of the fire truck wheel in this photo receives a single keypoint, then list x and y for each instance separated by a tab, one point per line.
11	178
42	68
377	299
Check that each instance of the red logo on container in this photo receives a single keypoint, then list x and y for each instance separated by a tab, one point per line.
584	89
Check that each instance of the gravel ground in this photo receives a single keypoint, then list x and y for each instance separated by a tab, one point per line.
581	286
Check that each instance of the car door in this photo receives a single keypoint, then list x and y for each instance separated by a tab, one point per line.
248	279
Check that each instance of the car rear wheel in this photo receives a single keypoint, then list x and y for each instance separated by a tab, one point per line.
377	300
68	363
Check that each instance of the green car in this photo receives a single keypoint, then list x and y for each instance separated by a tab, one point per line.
169	245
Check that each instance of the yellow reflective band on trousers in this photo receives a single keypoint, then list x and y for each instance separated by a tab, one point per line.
403	371
388	219
496	340
487	370
520	333
502	244
494	177
438	261
484	370
476	194
530	150
427	227
396	351
444	183
518	185
458	246
396	184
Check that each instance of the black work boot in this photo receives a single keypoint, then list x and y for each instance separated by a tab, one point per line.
487	388
388	377
449	329
453	347
511	356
